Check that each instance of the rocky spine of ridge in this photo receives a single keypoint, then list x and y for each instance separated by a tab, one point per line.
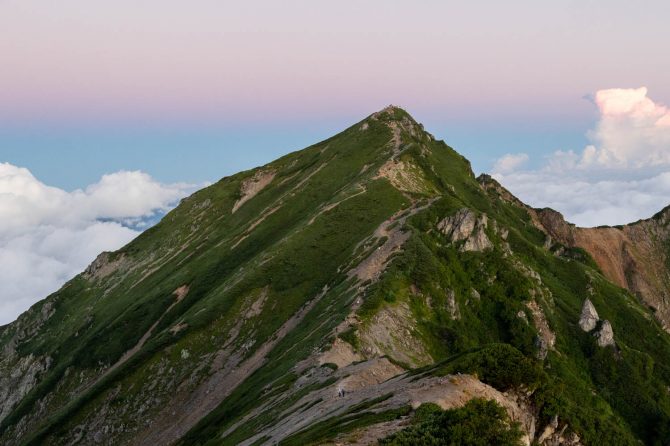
633	256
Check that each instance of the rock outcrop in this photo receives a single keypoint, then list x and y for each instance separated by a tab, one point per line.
546	338
465	225
17	379
458	226
605	336
452	305
588	321
555	435
589	316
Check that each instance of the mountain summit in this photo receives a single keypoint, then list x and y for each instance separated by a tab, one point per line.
366	288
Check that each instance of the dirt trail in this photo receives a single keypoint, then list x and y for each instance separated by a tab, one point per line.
372	267
449	392
334	205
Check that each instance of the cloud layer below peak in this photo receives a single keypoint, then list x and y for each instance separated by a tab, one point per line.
622	176
48	235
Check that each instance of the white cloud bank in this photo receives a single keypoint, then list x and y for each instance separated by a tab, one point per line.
622	176
48	235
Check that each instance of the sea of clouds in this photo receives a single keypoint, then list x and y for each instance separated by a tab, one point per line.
621	177
48	235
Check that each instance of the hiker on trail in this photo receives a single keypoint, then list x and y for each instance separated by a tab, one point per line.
340	391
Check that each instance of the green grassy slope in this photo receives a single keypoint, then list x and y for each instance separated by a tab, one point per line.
268	284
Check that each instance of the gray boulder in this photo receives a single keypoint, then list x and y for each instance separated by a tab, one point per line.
589	316
605	336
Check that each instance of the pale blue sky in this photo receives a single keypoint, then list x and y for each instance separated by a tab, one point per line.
72	158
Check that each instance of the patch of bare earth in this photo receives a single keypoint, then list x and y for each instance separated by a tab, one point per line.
401	343
372	267
632	256
253	186
340	353
404	176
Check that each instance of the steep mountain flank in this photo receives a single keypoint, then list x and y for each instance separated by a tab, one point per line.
633	256
334	296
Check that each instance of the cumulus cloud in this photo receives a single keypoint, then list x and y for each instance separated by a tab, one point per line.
510	162
622	176
48	235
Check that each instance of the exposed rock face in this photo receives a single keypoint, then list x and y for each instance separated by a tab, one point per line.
555	225
554	435
634	257
452	305
405	176
18	380
605	336
459	226
549	430
546	338
477	242
589	316
103	265
465	225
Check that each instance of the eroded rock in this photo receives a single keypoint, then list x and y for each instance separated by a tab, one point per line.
104	265
605	336
18	379
546	338
452	305
465	225
589	316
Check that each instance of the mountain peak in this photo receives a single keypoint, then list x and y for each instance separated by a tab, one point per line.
400	122
393	113
392	109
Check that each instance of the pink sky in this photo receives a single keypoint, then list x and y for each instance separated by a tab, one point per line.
78	60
